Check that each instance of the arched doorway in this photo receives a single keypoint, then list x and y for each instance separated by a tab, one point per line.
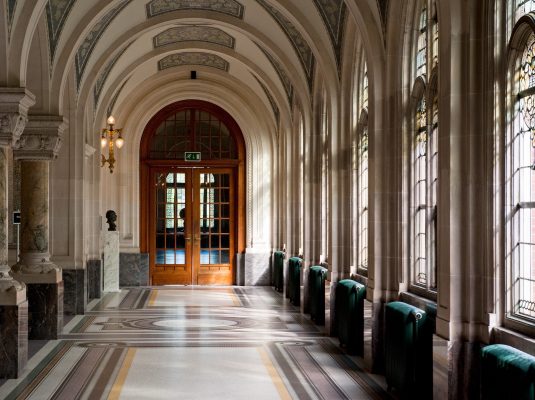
192	210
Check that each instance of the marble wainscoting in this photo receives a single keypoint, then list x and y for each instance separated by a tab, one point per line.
45	317
240	269
75	291
14	343
94	279
257	268
133	269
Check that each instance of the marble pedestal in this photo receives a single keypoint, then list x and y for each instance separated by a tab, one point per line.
13	339
44	290
111	261
45	316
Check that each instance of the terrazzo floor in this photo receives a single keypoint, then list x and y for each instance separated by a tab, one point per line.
193	343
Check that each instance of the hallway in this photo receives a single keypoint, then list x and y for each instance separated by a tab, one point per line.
194	343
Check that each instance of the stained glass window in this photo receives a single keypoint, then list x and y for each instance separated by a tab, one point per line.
193	130
523	7
520	206
421	54
359	193
362	256
424	158
419	194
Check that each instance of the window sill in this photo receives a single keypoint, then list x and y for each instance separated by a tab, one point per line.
360	279
501	335
429	306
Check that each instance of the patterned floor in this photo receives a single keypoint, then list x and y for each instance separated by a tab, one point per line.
193	343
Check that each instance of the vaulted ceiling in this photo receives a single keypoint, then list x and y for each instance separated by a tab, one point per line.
271	48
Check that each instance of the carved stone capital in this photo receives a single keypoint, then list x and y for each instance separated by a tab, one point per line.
14	105
42	138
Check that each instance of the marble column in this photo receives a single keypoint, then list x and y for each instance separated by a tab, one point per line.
14	104
39	144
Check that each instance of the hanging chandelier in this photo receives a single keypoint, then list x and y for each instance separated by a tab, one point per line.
110	137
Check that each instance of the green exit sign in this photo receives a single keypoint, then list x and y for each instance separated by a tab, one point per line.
192	156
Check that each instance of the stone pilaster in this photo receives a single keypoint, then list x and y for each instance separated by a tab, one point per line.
39	144
14	105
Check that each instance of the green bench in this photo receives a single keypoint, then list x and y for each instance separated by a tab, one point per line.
507	373
278	270
349	315
294	280
408	350
316	293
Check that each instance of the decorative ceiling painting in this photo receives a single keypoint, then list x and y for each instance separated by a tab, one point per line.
304	52
199	33
383	9
334	14
270	98
286	81
99	85
230	7
90	41
57	12
193	58
11	6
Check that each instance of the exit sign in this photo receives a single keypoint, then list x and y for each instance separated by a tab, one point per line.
192	156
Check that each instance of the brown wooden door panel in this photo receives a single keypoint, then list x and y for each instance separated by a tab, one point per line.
192	222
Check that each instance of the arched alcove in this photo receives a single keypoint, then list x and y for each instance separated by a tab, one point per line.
192	189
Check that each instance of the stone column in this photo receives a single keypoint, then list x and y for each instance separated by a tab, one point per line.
14	104
39	144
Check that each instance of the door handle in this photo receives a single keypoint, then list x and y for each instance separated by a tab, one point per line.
187	238
197	238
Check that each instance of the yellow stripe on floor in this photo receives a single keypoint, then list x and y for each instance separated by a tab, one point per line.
235	299
115	392
152	297
274	374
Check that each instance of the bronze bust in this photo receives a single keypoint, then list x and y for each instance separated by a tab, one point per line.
111	217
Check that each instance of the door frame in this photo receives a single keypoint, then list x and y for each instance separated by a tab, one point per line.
194	274
237	165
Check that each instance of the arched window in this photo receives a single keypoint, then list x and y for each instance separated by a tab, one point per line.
192	130
423	151
325	181
359	208
362	200
520	178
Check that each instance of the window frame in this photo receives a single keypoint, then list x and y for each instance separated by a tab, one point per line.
521	33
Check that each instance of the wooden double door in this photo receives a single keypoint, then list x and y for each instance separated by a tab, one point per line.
192	225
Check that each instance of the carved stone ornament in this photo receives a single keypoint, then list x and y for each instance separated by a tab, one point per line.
14	105
42	138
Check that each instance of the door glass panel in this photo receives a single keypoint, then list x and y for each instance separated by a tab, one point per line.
170	214
214	189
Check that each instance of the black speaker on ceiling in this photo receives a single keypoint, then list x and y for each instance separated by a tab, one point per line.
193	74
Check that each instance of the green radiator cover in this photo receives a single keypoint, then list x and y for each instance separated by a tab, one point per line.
507	373
408	350
349	315
294	280
278	269
316	293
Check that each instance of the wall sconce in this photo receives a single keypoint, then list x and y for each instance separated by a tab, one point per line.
108	138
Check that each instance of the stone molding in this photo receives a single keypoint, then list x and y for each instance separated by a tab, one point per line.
14	105
36	268
42	138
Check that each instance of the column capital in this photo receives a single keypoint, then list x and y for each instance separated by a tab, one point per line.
42	138
14	105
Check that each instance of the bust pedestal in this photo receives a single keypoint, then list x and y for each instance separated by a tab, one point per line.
111	261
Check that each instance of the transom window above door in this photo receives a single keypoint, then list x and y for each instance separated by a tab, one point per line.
192	130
